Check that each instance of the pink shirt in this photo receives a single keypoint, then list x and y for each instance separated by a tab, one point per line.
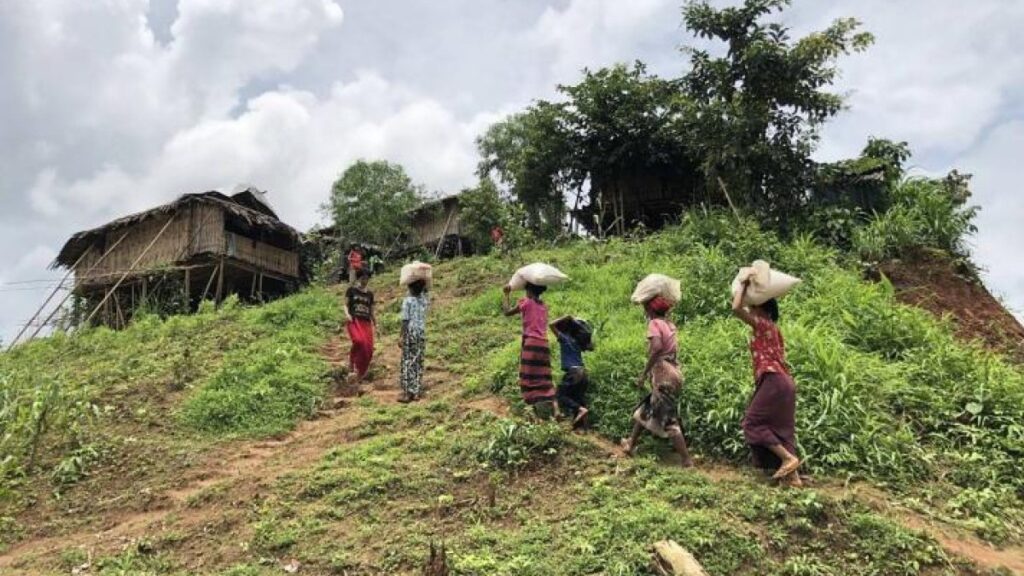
664	329
535	318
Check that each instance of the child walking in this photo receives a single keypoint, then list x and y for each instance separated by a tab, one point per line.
413	341
574	337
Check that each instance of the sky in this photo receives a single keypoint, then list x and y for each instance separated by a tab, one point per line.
114	106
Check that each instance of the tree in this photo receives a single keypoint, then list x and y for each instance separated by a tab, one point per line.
482	209
757	109
619	122
371	201
530	153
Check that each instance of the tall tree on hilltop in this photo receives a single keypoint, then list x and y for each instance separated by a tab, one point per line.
620	124
757	109
531	154
370	202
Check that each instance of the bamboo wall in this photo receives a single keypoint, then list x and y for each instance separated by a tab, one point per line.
194	230
262	255
430	224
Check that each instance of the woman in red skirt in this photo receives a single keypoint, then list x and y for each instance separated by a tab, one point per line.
535	359
769	425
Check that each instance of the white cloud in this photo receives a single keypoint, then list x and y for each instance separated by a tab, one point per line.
98	118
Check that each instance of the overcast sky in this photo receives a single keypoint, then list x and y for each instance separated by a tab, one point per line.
112	106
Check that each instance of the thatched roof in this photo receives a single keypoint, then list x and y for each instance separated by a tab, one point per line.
250	217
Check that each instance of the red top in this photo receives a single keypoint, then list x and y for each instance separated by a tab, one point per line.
767	349
496	234
355	260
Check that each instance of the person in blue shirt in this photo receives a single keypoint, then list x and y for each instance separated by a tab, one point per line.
574	337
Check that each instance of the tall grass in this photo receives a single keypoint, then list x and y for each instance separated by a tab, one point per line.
885	391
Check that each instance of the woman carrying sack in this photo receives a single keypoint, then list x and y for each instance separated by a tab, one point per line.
769	424
658	412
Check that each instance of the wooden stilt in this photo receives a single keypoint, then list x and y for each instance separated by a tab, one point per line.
220	282
188	289
213	274
252	289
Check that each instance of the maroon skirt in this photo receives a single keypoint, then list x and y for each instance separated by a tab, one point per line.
535	371
771	418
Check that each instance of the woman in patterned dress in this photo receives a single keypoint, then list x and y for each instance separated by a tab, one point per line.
413	341
769	424
658	412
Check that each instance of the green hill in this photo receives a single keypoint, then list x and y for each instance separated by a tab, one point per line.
216	443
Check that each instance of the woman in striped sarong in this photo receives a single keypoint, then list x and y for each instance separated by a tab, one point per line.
535	382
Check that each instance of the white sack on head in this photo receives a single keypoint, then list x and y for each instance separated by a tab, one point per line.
537	273
414	271
765	283
657	285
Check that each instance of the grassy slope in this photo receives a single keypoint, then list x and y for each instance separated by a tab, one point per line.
383	479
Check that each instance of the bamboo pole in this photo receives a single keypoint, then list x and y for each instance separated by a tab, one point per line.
213	274
444	233
42	306
728	198
132	267
70	292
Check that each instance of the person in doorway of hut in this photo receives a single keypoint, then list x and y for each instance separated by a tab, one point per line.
658	412
769	424
361	325
574	337
414	341
355	264
535	357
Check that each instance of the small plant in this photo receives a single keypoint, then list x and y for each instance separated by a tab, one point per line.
515	445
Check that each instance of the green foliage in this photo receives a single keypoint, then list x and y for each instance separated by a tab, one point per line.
266	386
885	391
529	153
757	109
39	413
482	208
515	445
371	201
925	213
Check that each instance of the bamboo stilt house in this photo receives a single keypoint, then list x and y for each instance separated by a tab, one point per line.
200	246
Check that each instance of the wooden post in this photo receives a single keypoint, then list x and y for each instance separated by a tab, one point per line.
220	282
188	288
252	289
213	274
260	289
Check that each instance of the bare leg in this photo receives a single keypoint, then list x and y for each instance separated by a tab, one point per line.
789	462
675	435
629	446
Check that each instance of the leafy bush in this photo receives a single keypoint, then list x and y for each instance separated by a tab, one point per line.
925	213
